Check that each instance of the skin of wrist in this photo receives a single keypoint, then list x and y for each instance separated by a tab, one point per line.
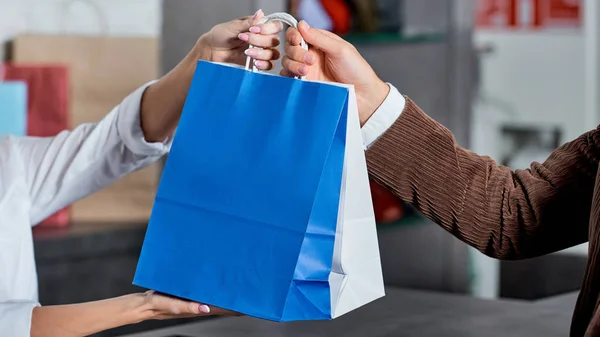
137	308
370	98
203	48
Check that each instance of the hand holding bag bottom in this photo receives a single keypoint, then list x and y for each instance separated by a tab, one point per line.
264	205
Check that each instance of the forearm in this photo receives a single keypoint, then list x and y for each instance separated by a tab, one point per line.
163	101
84	319
502	213
74	164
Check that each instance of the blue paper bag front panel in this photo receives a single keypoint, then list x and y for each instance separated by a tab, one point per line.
13	108
245	214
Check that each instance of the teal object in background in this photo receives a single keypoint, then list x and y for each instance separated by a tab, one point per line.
13	108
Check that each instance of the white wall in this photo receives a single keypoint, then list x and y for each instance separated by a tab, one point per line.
539	75
533	78
122	17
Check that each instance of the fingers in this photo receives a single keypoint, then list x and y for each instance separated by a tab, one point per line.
284	72
299	54
294	67
297	61
166	306
261	35
243	24
293	36
264	37
269	28
326	41
264	65
256	17
273	27
263	54
214	312
260	40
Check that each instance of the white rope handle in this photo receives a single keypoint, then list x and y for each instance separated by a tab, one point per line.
282	17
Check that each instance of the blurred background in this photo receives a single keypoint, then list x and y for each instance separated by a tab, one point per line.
513	79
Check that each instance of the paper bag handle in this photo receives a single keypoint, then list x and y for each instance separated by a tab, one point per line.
102	19
282	17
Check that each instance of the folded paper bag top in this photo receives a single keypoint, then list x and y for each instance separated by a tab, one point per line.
264	205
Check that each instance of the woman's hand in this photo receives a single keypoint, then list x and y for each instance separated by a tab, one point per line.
158	306
228	42
330	58
85	319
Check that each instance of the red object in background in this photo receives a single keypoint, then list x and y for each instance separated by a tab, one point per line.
48	110
388	208
340	15
564	9
558	13
496	13
532	14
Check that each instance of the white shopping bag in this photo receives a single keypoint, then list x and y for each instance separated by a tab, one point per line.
356	278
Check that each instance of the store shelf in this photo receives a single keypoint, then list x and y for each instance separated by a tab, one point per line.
394	38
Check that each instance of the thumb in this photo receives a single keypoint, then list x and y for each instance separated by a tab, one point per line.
322	39
243	24
255	19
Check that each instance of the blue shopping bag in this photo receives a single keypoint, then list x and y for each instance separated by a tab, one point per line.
13	108
264	205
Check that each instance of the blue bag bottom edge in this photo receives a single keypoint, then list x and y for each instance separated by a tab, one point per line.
147	285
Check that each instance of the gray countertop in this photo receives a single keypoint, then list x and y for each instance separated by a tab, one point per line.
87	239
406	313
105	255
561	301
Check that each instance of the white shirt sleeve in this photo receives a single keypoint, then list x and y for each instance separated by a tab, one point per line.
384	116
74	164
15	317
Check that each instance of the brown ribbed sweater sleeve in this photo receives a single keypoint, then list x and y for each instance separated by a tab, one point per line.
504	214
